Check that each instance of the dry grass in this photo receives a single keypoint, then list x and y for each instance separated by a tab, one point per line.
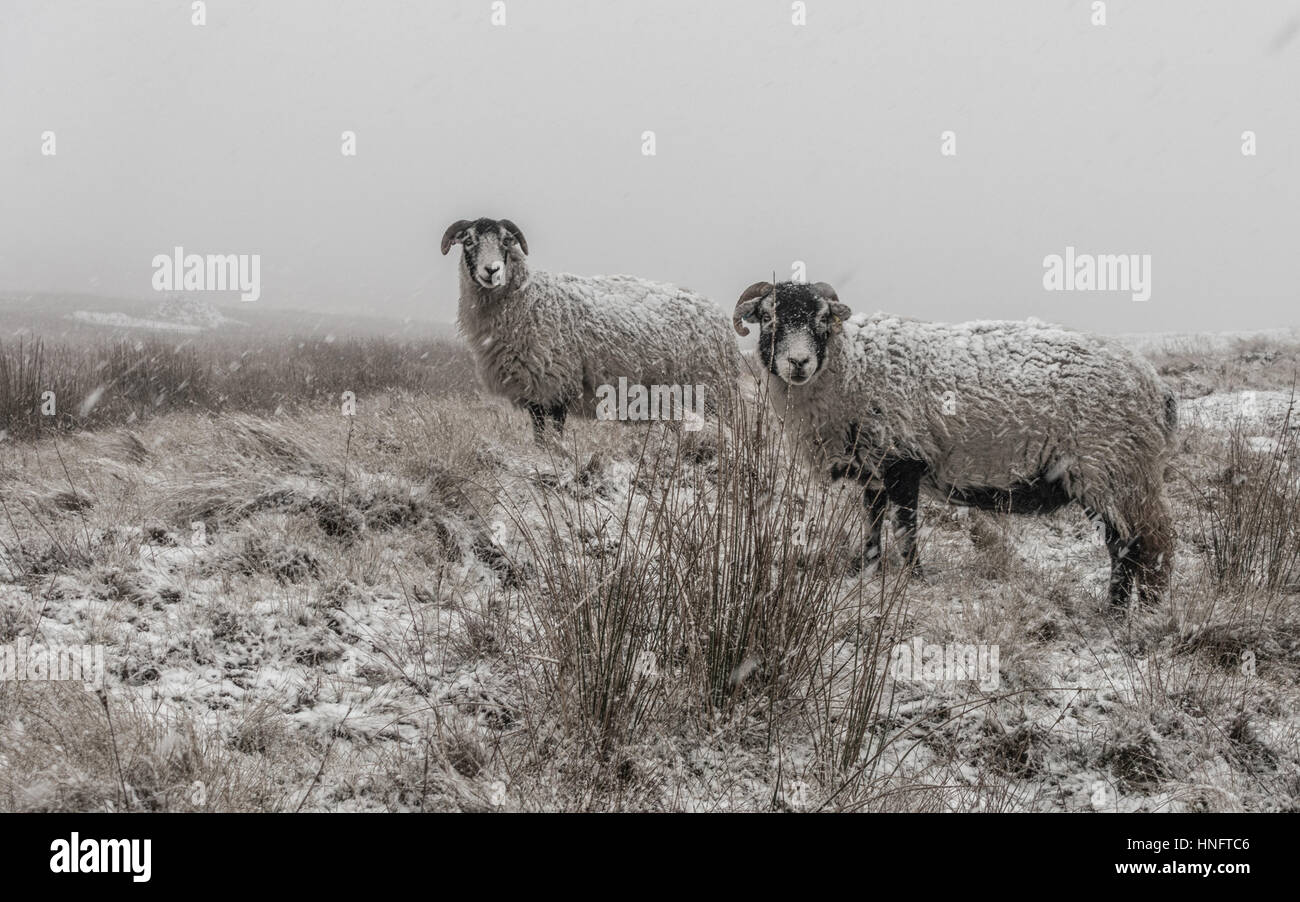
1250	508
1199	366
417	608
54	386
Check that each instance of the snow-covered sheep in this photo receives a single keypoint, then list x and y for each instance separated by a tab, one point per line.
550	341
1006	416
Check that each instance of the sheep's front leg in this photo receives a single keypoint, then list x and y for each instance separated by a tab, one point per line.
875	501
538	413
903	485
559	411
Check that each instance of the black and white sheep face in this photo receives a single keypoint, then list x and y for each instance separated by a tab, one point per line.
491	249
796	321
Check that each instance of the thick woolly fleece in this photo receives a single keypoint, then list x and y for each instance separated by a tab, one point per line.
996	405
554	338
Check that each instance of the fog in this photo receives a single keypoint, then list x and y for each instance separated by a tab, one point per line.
774	143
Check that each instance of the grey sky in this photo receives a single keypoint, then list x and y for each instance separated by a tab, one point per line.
775	143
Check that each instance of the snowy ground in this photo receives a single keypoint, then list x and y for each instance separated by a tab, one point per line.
306	613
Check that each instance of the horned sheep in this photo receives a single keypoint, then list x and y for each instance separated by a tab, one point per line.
1006	416
549	341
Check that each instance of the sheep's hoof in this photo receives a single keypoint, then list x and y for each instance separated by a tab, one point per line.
860	564
1121	598
554	445
860	567
1136	604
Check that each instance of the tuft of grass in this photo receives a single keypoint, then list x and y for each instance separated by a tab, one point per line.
718	589
1250	511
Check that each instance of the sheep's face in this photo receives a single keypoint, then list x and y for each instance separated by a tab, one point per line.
491	249
796	322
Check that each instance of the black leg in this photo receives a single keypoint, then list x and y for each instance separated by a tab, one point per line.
538	413
903	484
906	521
875	501
559	411
1125	558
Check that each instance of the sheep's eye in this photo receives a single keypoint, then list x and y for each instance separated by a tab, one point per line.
467	239
768	316
508	240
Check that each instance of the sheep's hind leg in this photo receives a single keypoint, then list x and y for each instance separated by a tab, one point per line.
1156	564
1125	559
1151	557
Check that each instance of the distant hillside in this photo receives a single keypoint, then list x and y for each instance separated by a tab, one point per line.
76	317
1151	342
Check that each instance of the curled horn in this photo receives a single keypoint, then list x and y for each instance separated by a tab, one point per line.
745	306
825	290
449	236
518	233
839	311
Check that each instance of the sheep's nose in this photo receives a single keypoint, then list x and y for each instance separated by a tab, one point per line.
799	363
493	267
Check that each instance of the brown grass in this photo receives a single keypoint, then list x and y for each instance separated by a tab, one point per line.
419	609
128	381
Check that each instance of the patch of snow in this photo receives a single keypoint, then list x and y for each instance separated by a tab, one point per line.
122	321
195	312
1261	408
1207	341
175	314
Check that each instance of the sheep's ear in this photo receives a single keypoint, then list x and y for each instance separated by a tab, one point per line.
518	233
453	234
747	306
839	312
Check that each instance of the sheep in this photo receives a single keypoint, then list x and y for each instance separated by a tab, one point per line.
1020	417
550	342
